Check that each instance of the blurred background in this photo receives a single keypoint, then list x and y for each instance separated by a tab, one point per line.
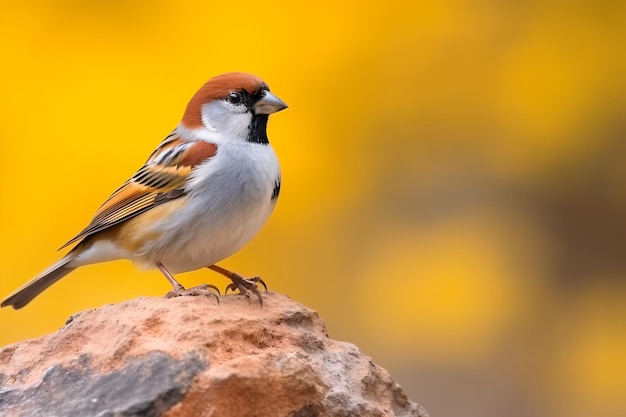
454	177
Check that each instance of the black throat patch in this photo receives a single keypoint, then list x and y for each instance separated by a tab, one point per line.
257	131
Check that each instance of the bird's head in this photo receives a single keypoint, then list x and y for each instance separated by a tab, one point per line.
233	107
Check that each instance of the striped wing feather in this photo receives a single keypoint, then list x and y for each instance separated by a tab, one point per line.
161	179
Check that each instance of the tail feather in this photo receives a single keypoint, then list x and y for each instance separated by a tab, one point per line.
25	294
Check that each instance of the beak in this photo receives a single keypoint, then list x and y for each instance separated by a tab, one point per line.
269	104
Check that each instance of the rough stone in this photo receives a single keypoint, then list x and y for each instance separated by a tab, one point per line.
187	357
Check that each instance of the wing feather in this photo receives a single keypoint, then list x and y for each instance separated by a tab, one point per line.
161	179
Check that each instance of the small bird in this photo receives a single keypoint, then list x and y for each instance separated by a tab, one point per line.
201	196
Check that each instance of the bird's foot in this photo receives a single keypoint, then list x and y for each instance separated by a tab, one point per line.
246	286
204	289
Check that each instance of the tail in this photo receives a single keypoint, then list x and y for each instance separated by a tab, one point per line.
24	295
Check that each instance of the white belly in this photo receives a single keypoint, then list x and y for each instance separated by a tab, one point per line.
229	200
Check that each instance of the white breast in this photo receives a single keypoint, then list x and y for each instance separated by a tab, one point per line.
229	199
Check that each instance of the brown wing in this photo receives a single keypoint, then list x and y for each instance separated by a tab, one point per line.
161	179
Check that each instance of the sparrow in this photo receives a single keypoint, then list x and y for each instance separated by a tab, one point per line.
200	197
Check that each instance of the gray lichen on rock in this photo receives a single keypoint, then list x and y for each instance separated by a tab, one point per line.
146	386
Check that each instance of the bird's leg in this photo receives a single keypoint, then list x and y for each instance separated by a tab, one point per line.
244	285
178	290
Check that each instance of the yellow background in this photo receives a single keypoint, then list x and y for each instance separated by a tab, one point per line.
454	197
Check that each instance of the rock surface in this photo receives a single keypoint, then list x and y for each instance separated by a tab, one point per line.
187	357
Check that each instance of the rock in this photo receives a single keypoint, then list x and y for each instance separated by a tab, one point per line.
187	356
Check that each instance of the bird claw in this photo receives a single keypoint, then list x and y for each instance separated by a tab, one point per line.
202	289
246	286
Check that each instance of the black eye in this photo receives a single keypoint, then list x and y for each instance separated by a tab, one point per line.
235	97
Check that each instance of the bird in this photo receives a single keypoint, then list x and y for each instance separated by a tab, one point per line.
202	194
